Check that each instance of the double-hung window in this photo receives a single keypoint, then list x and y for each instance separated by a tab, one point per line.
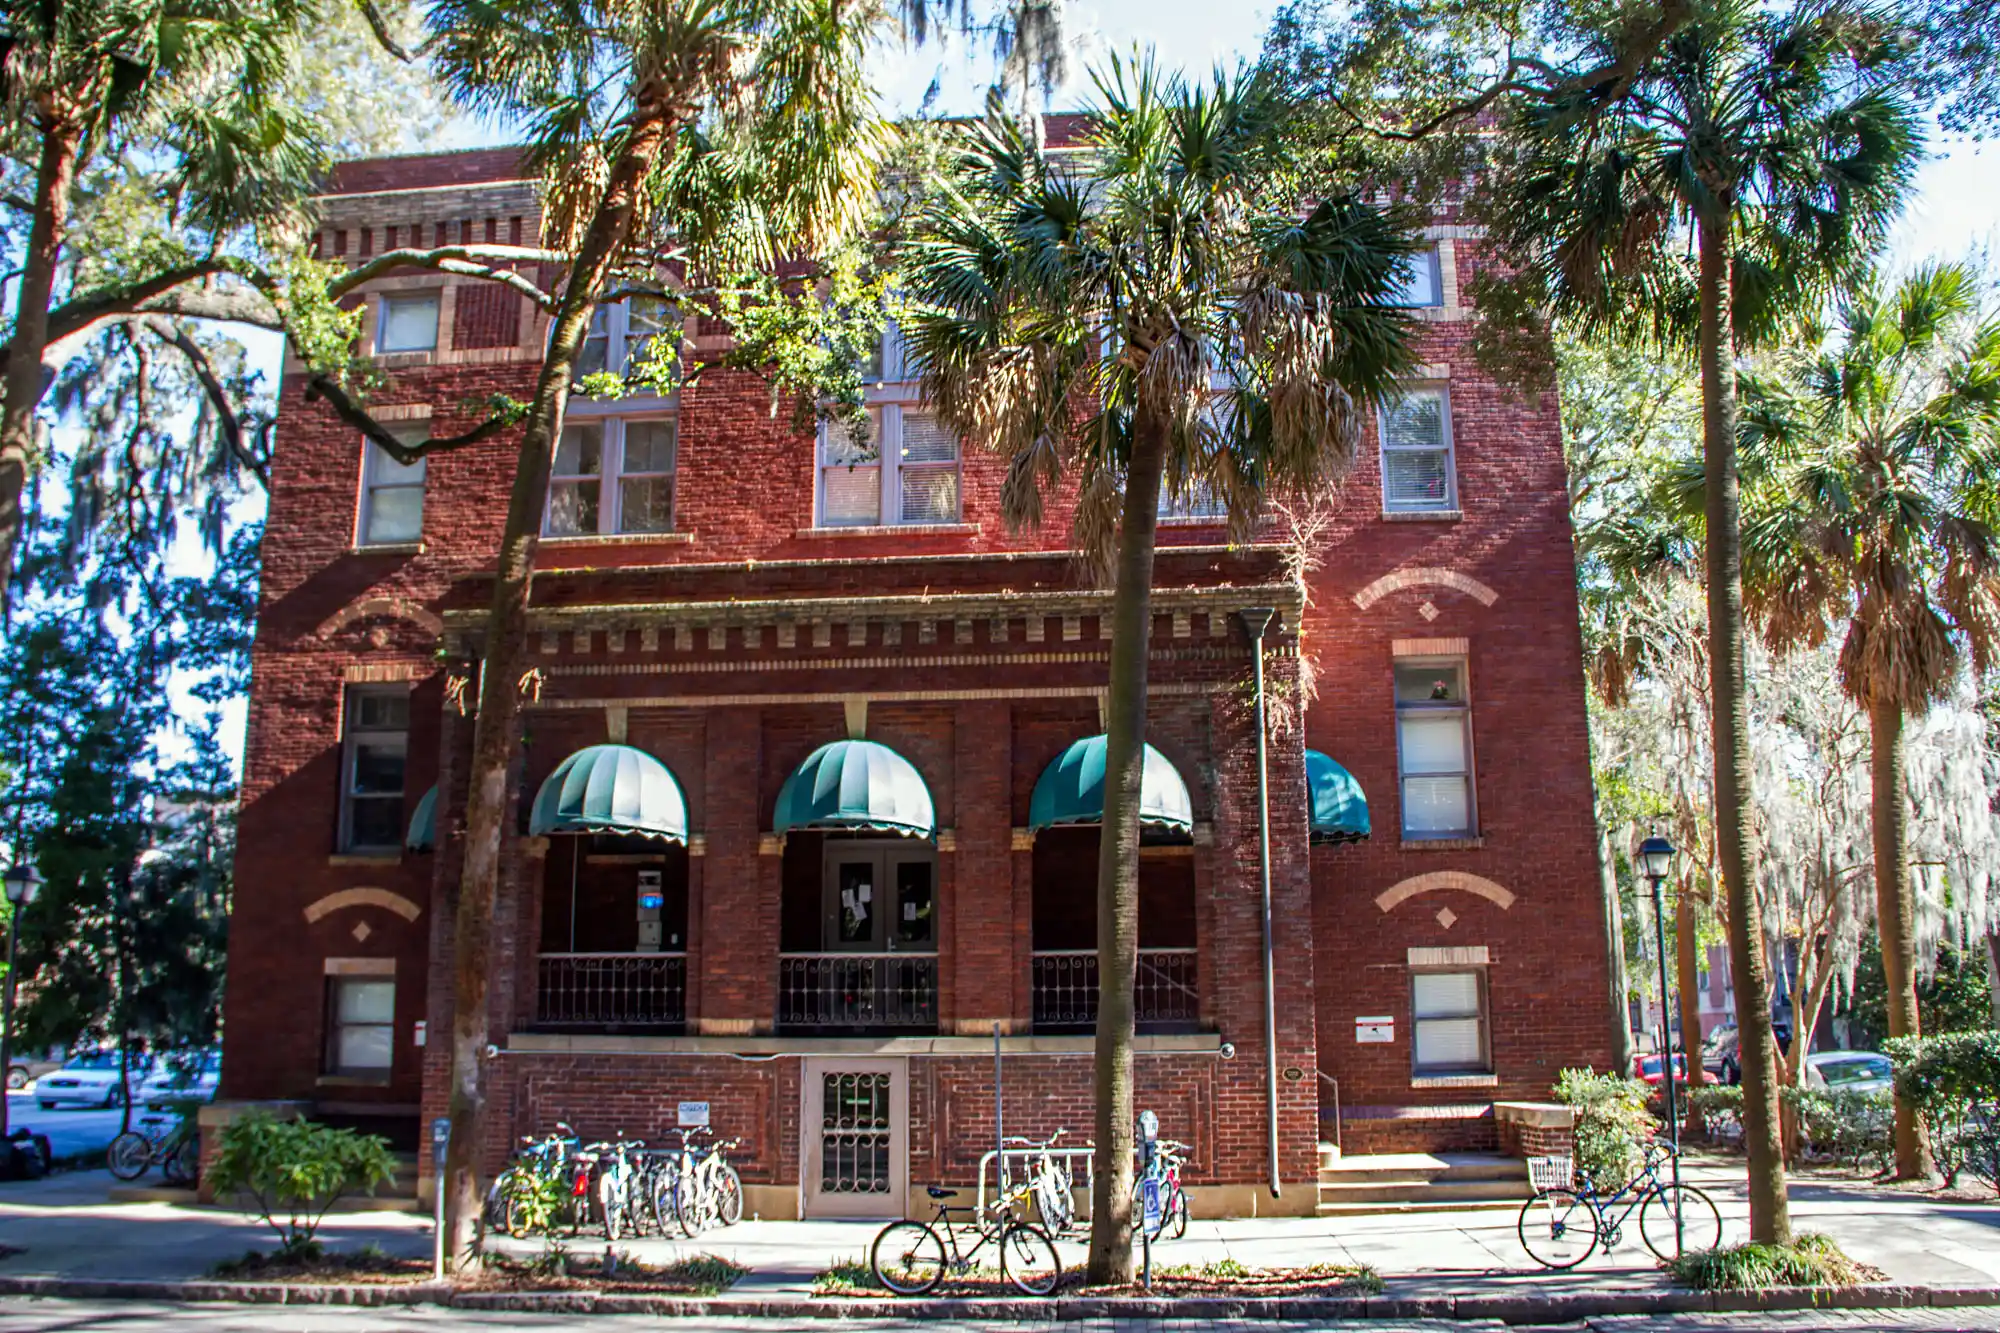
392	496
1434	749
1418	470
906	471
361	1026
1420	283
1448	1019
408	323
374	751
612	475
622	331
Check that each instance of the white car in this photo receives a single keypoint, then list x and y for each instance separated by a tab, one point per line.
89	1079
1850	1071
183	1078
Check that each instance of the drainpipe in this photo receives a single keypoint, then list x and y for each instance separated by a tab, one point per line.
1256	620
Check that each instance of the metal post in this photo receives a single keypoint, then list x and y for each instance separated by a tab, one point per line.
1256	620
1667	1050
999	1129
7	1018
440	1143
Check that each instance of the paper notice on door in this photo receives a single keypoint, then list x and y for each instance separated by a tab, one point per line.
909	911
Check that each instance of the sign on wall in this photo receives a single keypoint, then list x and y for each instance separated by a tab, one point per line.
693	1115
1380	1028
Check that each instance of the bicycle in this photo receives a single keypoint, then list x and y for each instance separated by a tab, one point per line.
1562	1224
1050	1184
537	1189
174	1148
616	1195
1166	1168
910	1257
707	1190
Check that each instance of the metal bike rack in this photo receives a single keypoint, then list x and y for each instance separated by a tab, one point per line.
988	1163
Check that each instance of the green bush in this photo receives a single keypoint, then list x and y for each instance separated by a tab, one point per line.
1611	1123
1845	1126
1811	1260
295	1170
1954	1082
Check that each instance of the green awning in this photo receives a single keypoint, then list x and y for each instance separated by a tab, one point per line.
856	786
1339	807
611	789
423	835
1071	790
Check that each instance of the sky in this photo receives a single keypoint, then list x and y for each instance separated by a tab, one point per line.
1955	213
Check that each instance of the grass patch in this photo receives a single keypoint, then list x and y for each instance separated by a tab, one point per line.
849	1277
1811	1260
1231	1277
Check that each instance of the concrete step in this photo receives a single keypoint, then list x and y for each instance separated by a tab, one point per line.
1394	1182
1350	1209
1443	1191
1422	1168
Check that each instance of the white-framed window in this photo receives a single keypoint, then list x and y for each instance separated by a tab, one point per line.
375	741
1434	749
392	496
1196	503
620	332
409	322
613	475
1448	1023
360	1027
1421	282
906	472
1419	474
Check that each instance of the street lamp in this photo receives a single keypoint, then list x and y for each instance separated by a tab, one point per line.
1656	861
22	882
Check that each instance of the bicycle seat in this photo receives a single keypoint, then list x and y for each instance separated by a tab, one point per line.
940	1192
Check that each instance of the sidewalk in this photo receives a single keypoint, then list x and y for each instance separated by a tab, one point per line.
64	1227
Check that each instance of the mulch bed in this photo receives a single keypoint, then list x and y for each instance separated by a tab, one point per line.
699	1276
1316	1280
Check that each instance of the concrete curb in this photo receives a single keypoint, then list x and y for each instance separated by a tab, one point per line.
1555	1308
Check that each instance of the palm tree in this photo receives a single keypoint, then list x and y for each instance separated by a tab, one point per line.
1755	157
1880	516
722	133
1168	316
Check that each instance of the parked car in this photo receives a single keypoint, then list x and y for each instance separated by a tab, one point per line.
1648	1069
1849	1071
91	1079
24	1067
190	1076
1720	1052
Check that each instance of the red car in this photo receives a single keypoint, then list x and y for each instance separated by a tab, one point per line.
1646	1068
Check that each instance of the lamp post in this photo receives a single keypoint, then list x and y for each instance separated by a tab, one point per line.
22	882
1656	859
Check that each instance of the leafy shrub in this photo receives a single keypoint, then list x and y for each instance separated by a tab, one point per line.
1611	1123
1954	1082
294	1171
1845	1126
1720	1106
1811	1260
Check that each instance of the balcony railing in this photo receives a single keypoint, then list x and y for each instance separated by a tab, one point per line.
611	990
1165	992
857	992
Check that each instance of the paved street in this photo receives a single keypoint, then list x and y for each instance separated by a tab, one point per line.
40	1316
70	1131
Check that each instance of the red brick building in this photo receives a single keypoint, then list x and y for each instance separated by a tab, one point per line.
838	831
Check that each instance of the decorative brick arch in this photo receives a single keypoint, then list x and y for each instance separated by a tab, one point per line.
1396	894
395	608
1422	577
394	902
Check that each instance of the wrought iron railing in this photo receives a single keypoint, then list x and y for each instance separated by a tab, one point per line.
1165	991
611	990
858	991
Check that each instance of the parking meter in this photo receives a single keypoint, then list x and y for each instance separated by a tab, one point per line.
1149	1188
440	1145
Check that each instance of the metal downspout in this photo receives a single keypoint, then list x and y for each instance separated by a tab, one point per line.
1256	620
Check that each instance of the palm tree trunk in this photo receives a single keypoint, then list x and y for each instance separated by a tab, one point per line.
495	736
1770	1214
1687	975
1622	1047
49	227
1118	857
1895	914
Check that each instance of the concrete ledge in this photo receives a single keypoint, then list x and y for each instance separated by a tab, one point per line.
591	1043
1513	1308
1535	1115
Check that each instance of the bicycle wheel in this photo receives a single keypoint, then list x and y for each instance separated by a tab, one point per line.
1558	1229
1176	1214
184	1166
1028	1259
694	1205
1700	1221
1053	1203
907	1258
610	1207
728	1196
129	1155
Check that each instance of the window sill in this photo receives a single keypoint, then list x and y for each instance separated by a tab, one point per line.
1193	521
623	539
1423	515
893	530
386	548
1455	1081
364	858
381	1080
1443	844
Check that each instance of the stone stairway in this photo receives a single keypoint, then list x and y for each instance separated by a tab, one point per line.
1418	1182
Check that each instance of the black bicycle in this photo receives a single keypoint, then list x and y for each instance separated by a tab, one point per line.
1563	1223
911	1257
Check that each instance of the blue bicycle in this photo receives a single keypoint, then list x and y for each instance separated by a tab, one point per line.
1565	1221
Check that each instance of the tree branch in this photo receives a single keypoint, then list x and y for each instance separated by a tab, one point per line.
379	25
330	391
473	261
227	421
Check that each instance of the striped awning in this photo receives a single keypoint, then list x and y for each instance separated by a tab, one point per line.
856	786
1071	790
611	789
1339	807
423	835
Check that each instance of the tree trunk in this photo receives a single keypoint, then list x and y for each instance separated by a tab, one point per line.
1687	974
1770	1213
1993	974
1895	915
54	176
1118	857
1622	1047
495	734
